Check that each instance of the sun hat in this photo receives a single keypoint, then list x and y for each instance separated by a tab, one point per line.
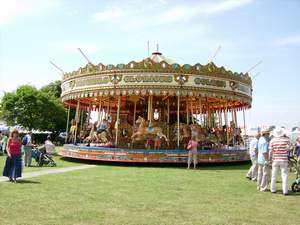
278	132
265	131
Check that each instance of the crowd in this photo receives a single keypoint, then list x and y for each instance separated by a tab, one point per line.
269	153
15	148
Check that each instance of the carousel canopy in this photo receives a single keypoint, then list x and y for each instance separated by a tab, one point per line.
158	76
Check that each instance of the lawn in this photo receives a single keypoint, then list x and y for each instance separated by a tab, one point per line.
60	163
123	194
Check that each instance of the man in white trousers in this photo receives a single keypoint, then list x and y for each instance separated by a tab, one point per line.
252	173
279	148
262	160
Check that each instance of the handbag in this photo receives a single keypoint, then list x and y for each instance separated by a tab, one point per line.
189	146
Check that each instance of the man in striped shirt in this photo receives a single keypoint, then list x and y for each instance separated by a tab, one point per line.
279	148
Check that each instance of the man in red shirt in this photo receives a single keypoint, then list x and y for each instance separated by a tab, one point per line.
279	148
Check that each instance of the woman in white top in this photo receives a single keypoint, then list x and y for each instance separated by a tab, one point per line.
49	146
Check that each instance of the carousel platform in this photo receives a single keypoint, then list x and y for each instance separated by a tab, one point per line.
152	156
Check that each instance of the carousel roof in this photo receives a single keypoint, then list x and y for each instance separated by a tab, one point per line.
158	57
158	63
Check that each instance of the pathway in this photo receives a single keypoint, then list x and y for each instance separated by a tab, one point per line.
50	171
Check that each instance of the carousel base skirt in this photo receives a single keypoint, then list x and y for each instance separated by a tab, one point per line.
152	156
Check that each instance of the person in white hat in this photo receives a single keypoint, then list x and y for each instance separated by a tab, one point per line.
262	160
252	172
279	148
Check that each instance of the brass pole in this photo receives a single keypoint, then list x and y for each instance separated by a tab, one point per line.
168	116
151	108
149	102
200	110
134	112
100	111
220	117
192	112
244	119
178	120
117	120
67	128
207	114
187	112
235	117
108	108
77	117
227	127
81	120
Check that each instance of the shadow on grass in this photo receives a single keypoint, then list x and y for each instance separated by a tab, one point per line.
21	181
290	194
202	166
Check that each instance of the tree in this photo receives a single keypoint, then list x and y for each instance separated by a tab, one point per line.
34	109
53	89
21	107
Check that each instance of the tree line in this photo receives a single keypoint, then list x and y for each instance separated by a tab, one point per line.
35	109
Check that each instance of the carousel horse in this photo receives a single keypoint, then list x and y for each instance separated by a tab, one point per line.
237	134
92	135
221	135
205	136
105	136
143	131
198	132
184	131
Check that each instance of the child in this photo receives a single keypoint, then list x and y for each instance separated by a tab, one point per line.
157	143
192	152
148	142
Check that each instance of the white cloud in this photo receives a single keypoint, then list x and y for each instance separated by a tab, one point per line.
10	10
175	14
225	5
182	13
137	14
290	40
107	15
73	46
73	12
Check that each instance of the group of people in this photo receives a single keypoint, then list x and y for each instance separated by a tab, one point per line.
15	147
269	153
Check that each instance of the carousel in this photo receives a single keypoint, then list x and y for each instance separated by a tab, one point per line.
147	111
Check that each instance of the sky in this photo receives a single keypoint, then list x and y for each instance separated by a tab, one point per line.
33	32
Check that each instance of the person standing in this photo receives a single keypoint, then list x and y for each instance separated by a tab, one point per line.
279	148
262	160
157	143
49	146
252	173
13	164
27	148
297	153
1	144
192	152
4	143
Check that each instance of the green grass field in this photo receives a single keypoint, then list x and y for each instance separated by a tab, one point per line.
123	194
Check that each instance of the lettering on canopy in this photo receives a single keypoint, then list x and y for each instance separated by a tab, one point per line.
87	82
210	82
243	88
147	78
